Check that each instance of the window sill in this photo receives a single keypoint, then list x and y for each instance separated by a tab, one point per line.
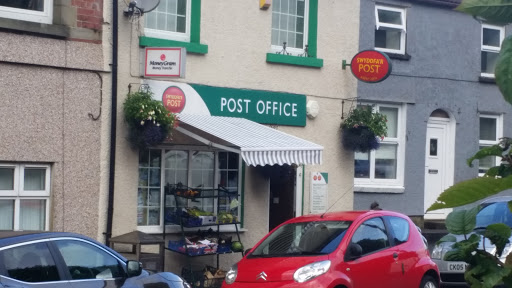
191	47
486	79
295	60
404	57
379	189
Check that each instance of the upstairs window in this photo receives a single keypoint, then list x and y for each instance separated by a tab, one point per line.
40	11
490	133
170	20
390	29
290	25
492	36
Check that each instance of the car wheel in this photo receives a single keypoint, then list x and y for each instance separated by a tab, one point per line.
428	282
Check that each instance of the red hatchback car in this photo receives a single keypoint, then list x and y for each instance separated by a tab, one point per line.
360	249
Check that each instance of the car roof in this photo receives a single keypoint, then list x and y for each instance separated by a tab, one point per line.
497	199
8	238
342	216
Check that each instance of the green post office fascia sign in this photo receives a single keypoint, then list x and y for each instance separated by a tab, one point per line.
260	106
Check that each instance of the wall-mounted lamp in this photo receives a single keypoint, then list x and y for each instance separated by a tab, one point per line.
264	4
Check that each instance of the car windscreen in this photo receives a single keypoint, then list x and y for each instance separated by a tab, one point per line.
494	213
300	239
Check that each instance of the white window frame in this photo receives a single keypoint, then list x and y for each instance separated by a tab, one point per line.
389	185
499	134
45	16
292	50
169	35
402	27
486	48
19	194
170	228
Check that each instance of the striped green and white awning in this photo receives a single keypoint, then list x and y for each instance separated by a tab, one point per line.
256	143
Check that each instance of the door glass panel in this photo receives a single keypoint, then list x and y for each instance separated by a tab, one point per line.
85	261
7	179
32	214
30	263
433	147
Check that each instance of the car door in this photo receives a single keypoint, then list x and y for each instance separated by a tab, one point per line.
377	267
89	265
30	265
400	230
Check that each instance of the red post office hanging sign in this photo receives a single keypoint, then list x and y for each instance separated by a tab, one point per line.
371	66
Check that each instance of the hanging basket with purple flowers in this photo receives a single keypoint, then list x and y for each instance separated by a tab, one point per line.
363	129
149	122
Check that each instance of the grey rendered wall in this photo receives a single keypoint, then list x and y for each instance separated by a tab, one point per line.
442	73
48	88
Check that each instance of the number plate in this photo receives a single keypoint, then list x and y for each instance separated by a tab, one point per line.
457	266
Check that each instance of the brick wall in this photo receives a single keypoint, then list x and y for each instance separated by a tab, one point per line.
89	13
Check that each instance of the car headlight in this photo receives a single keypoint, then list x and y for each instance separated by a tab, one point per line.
231	275
437	252
311	271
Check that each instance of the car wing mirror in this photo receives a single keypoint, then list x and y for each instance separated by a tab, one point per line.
354	251
133	268
247	251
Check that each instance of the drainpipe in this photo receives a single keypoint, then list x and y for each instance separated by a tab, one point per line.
113	125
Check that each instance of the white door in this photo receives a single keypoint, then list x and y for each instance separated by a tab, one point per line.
439	163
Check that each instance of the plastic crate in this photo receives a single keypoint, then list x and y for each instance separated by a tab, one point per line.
196	276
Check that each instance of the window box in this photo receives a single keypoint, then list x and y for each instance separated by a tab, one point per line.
295	60
191	47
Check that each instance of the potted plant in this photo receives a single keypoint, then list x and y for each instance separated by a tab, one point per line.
363	129
149	122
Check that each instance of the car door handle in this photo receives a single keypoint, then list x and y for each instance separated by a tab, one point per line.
395	255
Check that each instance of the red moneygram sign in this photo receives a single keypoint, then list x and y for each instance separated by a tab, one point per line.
174	99
371	66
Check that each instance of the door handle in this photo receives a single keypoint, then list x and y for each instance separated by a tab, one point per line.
432	171
395	255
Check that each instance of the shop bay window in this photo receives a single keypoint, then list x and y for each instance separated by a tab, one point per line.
390	29
490	133
200	170
383	167
24	196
